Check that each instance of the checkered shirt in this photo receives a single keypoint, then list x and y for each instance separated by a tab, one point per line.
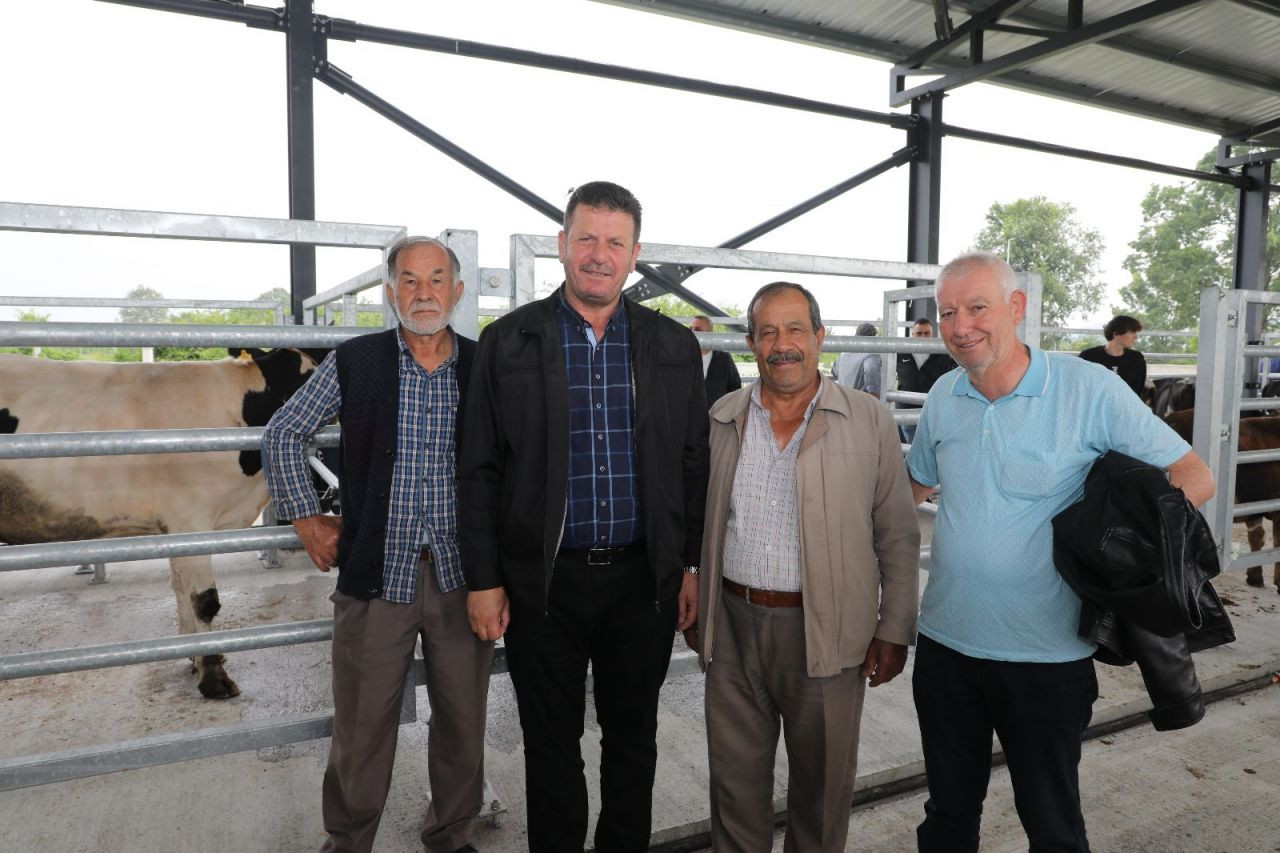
423	502
762	533
604	492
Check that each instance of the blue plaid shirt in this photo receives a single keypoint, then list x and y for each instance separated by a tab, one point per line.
423	502
604	492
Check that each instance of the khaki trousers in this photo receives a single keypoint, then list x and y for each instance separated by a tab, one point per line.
756	678
373	644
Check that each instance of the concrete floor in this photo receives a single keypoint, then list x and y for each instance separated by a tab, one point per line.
1211	787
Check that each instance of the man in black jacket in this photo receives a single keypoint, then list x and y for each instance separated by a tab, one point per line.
582	485
399	395
720	374
918	371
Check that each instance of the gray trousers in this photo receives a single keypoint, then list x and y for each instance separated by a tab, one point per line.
757	678
373	644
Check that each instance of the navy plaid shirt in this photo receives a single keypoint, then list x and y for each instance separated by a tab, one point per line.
604	492
423	502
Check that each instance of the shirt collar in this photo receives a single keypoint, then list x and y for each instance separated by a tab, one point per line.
405	353
1033	382
619	317
813	404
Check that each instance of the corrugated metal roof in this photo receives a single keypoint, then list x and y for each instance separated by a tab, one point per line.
1213	65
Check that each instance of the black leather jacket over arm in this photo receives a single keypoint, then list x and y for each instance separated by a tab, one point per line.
1140	556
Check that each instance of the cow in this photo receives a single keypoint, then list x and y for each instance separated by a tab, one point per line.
1175	393
1258	481
94	497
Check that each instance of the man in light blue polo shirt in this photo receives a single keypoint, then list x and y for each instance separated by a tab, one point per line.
1010	437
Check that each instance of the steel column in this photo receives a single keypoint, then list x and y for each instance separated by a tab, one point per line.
924	194
1250	270
300	46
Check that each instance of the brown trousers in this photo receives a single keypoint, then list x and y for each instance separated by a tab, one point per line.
373	644
757	676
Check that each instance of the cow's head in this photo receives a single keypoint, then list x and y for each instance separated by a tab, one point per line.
284	371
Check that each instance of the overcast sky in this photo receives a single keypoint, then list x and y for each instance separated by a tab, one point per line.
114	106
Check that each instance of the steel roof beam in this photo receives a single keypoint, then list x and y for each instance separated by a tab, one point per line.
976	23
253	16
1088	34
352	31
702	11
1095	156
1042	23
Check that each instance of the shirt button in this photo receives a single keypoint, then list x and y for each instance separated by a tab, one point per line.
773	503
602	468
597	376
768	547
602	503
600	436
597	406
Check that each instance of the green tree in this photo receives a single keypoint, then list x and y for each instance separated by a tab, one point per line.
1187	243
146	314
1042	236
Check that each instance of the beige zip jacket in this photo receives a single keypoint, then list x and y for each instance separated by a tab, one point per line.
859	540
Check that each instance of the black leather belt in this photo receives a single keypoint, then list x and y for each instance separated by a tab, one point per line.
603	556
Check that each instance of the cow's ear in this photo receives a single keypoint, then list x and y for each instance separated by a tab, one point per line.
246	354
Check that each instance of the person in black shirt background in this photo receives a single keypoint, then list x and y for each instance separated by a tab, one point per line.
1118	354
917	371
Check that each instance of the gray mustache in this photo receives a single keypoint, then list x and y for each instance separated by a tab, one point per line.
783	357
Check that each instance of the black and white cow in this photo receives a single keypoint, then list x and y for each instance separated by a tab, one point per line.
94	497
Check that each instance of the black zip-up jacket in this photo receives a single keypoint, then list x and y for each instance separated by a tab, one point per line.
1140	556
920	378
513	468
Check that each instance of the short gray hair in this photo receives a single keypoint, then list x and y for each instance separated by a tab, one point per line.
972	262
867	330
773	289
393	254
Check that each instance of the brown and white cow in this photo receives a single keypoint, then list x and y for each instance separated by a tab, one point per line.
1259	481
93	497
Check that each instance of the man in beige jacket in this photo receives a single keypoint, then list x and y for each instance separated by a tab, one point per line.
809	581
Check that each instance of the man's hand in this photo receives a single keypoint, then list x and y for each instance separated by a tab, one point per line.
688	610
489	612
919	493
884	661
319	535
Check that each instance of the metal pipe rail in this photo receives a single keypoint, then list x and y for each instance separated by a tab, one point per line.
1254	508
56	661
15	558
114	222
1149	356
1245	457
107	302
1158	333
356	284
914	397
16	334
129	442
732	342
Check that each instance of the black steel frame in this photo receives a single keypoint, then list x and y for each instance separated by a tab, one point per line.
307	35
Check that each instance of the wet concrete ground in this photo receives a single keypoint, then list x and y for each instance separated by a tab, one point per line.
1212	787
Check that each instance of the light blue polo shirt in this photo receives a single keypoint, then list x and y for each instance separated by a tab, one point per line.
1006	468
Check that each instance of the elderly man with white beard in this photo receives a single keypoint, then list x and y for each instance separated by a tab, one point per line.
399	395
